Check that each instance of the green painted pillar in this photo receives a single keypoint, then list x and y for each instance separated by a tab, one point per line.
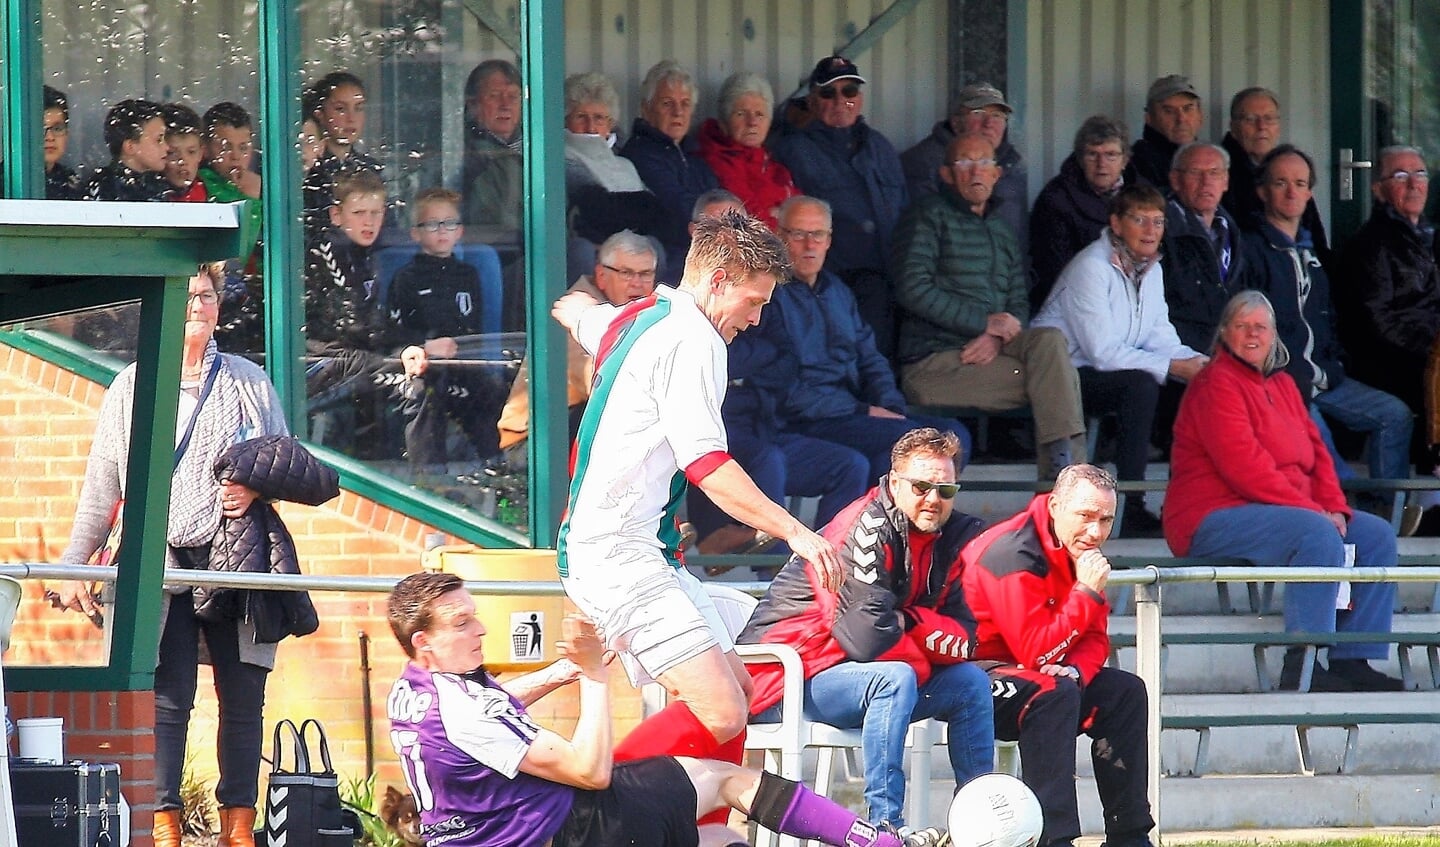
20	115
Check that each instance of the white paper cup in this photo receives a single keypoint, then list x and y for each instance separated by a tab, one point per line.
42	739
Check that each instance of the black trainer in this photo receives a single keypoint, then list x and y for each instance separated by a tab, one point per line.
1320	678
1362	677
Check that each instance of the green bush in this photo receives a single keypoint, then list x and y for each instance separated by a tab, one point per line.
358	795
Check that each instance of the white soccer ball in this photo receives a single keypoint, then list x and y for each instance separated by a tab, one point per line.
995	810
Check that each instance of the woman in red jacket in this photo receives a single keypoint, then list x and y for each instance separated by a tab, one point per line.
1250	478
733	146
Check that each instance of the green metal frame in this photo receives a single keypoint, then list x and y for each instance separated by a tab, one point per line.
1350	122
20	114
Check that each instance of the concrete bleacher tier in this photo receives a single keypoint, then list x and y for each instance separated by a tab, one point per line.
1234	754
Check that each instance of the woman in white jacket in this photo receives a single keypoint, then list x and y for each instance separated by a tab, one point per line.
1110	304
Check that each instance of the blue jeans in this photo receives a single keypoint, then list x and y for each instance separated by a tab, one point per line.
1282	536
1384	417
873	437
881	699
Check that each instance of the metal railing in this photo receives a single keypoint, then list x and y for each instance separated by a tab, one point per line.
1146	581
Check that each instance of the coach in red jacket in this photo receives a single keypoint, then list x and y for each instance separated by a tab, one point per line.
891	646
1036	584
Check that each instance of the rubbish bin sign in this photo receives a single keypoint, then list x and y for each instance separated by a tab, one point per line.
527	643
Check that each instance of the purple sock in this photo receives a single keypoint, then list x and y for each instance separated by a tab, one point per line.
790	808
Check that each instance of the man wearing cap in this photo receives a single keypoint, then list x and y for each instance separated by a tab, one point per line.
1173	117
841	159
979	109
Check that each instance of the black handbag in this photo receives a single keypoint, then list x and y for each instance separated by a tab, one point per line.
302	805
277	614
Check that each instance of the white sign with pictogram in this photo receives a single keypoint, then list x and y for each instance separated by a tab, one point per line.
527	643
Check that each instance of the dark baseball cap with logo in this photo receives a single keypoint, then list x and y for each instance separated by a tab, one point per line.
832	69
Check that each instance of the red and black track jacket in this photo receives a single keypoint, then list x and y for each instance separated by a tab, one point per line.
1029	610
859	622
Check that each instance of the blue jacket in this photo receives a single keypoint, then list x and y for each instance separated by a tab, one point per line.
677	176
1277	267
762	368
858	172
841	373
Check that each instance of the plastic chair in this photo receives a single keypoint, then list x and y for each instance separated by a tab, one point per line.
389	260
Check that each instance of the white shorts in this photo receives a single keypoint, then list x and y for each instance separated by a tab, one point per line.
653	615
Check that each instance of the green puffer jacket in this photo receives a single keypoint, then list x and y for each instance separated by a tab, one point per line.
952	269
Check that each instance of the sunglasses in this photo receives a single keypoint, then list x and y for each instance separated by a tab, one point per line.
847	91
922	488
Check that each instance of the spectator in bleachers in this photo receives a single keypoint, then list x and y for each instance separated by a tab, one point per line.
845	391
733	145
1036	583
229	172
1255	130
135	134
761	368
311	144
1110	303
1389	300
1202	260
960	288
1250	478
894	647
187	151
624	271
978	108
1074	207
1173	117
604	192
666	157
61	181
842	160
492	177
337	102
431	301
1285	265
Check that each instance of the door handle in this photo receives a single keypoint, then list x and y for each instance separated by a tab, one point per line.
1348	167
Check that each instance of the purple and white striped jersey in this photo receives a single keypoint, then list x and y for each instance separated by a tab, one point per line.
461	739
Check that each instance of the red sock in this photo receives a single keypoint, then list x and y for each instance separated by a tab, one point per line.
675	731
732	751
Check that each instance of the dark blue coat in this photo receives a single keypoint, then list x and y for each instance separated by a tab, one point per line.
1195	292
677	176
858	172
1067	217
1282	269
841	373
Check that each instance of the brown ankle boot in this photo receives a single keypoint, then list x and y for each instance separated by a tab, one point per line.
166	829
237	827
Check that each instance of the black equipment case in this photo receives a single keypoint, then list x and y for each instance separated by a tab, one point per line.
75	804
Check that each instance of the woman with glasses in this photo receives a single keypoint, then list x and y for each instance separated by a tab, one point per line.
1110	303
224	400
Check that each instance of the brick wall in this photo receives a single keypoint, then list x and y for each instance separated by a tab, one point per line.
47	416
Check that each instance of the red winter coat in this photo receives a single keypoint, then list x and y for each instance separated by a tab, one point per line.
1244	437
749	173
1029	610
859	623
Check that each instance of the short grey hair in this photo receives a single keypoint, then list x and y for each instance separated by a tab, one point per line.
739	84
1100	129
667	70
591	87
1245	94
627	242
793	203
713	197
1071	476
1278	356
1183	154
1397	150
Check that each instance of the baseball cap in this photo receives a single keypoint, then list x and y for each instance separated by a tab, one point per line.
1168	86
832	68
978	96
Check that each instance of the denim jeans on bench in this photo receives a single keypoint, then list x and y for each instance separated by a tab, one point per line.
1284	536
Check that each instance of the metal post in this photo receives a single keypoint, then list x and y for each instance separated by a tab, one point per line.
1147	665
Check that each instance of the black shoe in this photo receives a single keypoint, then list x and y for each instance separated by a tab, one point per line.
1139	523
1362	677
1320	678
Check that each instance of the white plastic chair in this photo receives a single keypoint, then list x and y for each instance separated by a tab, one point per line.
9	605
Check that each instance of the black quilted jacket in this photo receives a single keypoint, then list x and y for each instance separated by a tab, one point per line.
277	467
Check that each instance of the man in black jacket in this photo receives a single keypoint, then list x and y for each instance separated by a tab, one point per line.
1173	117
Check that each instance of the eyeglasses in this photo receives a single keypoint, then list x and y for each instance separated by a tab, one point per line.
448	224
986	116
54	129
966	164
798	236
1158	221
849	91
206	298
1109	157
629	275
1212	174
1260	120
1411	176
922	488
1283	184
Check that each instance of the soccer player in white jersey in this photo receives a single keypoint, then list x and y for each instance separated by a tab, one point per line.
652	425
